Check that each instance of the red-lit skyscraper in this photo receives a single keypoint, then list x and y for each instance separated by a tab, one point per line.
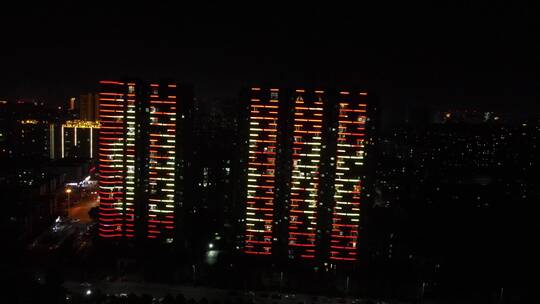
306	157
349	160
116	159
162	137
139	152
290	212
263	120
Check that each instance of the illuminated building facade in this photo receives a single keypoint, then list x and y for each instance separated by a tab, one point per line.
139	158
162	137
116	160
263	121
348	182
306	157
304	174
78	139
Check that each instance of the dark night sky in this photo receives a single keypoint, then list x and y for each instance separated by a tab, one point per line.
486	53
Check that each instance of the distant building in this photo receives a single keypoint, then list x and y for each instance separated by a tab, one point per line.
24	130
467	169
305	173
141	140
75	139
89	107
72	101
211	177
74	135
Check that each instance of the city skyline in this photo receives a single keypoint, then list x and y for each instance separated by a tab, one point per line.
303	153
255	153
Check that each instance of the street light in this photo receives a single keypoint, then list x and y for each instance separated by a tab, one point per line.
68	192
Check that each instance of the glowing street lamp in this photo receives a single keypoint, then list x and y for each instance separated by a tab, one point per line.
68	192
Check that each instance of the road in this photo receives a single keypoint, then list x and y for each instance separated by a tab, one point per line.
56	236
79	210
